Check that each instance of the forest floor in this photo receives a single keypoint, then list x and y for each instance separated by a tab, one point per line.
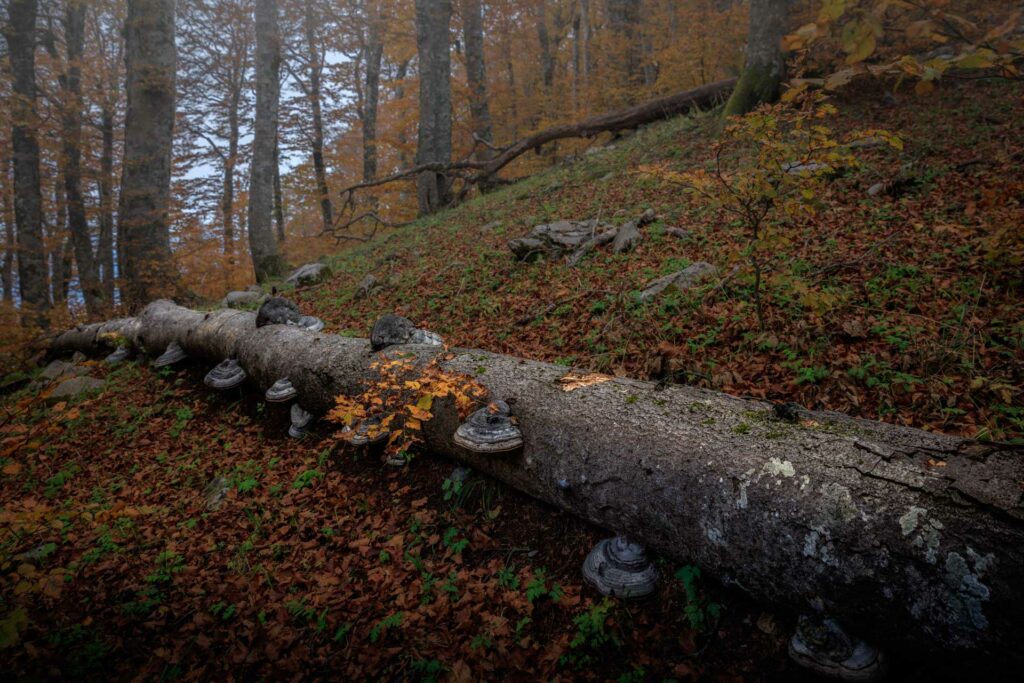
317	562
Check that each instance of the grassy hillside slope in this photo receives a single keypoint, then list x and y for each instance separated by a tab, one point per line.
916	315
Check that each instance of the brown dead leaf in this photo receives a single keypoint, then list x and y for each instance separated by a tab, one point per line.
573	381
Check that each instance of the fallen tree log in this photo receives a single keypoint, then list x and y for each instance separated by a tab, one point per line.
903	535
475	172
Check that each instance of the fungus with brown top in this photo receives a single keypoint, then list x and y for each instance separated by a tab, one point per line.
490	430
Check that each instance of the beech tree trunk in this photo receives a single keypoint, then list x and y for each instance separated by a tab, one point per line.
434	145
7	206
151	57
265	260
309	21
764	67
374	52
105	246
909	537
71	119
278	197
28	199
476	74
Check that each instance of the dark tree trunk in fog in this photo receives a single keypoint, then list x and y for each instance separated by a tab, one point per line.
309	22
28	199
71	119
278	198
105	247
547	59
7	207
764	67
262	244
434	143
624	21
373	54
150	58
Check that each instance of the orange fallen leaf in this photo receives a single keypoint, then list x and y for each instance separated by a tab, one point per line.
572	382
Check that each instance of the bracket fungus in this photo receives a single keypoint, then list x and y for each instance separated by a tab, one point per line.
392	330
309	322
301	420
620	568
490	430
369	432
173	354
822	646
278	311
281	391
120	354
226	375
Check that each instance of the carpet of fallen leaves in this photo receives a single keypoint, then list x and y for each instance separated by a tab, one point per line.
117	563
904	306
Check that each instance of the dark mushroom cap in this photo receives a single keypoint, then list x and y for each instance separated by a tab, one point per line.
120	354
490	430
227	374
173	354
390	330
281	391
620	568
277	311
301	419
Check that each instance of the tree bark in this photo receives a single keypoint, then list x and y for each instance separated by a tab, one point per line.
624	21
278	195
913	537
374	52
262	245
309	22
476	75
434	144
28	198
71	119
150	58
764	67
7	205
105	247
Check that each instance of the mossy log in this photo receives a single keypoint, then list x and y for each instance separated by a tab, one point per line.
906	536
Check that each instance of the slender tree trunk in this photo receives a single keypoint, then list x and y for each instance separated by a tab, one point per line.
315	69
624	21
265	259
7	206
764	67
434	144
105	250
150	58
371	96
28	198
71	118
547	60
228	190
278	197
476	77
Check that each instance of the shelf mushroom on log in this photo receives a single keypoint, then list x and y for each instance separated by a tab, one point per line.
850	516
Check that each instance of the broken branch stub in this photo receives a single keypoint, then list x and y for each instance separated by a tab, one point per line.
848	516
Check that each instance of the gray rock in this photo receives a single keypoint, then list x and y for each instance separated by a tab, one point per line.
59	369
244	299
309	274
490	227
392	330
876	189
556	239
277	311
795	167
627	237
74	387
368	286
678	233
684	279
